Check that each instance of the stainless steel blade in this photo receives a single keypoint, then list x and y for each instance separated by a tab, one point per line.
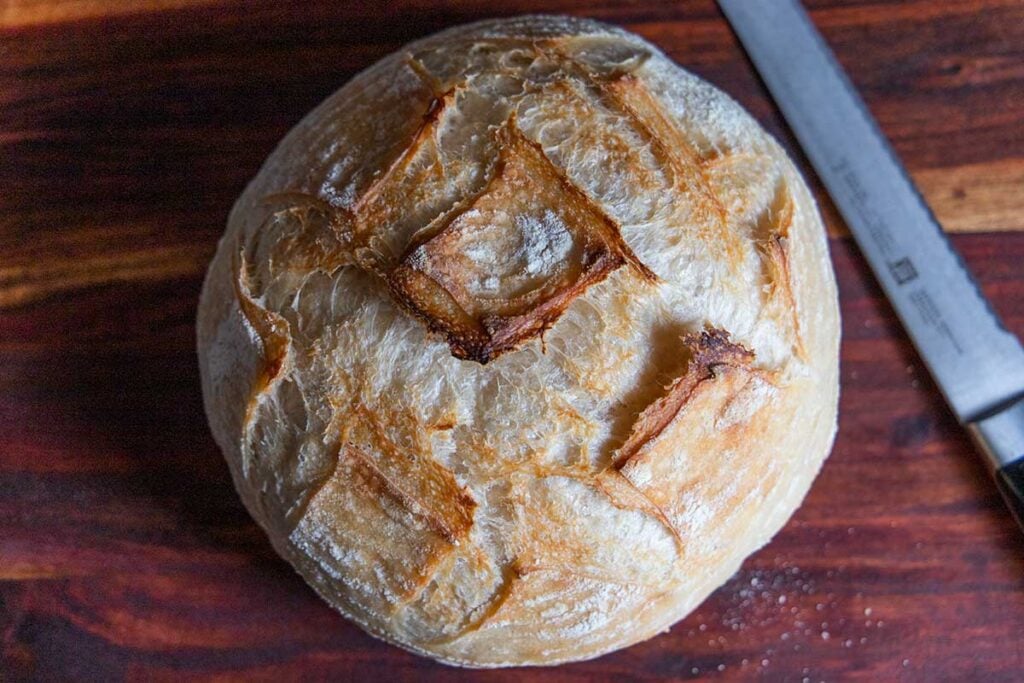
977	363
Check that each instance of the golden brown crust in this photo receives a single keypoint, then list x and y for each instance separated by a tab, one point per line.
773	243
270	328
710	353
520	342
385	187
674	151
420	484
271	331
626	496
358	494
436	278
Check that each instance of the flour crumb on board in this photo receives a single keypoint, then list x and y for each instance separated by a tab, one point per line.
783	611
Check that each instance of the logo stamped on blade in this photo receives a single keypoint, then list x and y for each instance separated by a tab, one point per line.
903	271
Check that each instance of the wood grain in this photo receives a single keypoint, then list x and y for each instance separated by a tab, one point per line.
127	130
20	13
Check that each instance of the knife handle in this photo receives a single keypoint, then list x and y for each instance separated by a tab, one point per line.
1000	436
1010	481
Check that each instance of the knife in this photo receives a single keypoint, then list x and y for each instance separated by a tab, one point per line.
977	363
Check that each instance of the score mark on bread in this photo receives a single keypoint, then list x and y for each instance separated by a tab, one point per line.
711	355
504	268
440	245
716	406
529	227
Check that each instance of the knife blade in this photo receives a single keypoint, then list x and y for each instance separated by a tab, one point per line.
976	362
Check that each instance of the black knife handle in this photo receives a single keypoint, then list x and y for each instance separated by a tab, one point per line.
1000	435
1010	480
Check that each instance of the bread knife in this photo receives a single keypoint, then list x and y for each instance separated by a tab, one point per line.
976	362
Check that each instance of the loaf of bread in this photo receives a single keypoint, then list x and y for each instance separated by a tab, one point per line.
521	342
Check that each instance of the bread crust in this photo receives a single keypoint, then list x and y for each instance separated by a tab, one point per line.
519	343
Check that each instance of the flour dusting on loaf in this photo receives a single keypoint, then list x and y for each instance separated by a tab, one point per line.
521	342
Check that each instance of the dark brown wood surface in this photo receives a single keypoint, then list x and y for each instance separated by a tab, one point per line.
127	128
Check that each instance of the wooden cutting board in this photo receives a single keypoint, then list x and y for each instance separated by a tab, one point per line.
128	127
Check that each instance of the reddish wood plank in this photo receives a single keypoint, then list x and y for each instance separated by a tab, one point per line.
125	134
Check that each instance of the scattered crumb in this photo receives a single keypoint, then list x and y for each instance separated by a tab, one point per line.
774	602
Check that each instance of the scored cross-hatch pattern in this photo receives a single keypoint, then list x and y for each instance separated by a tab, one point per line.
458	274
